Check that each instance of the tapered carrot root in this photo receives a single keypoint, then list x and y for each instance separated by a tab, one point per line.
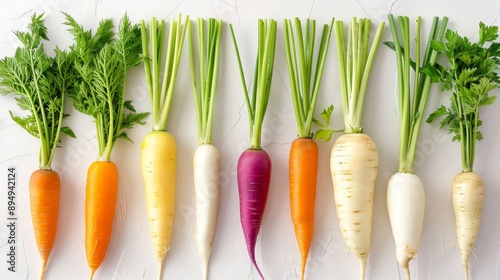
406	207
100	204
468	200
254	176
303	169
44	200
158	168
206	182
354	167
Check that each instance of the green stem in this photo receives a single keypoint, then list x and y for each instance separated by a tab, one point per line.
42	125
55	142
423	92
267	37
204	95
343	63
293	76
243	81
147	59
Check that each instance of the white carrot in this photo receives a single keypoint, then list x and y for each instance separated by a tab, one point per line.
470	82
354	157
406	205
206	182
405	190
206	158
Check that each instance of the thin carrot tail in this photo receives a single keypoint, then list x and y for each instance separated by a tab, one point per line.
465	264
205	270
362	267
254	262
44	268
406	268
92	271
160	269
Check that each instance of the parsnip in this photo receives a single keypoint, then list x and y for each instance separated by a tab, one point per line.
354	167
354	157
470	80
468	200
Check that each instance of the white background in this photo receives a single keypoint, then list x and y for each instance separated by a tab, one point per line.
130	256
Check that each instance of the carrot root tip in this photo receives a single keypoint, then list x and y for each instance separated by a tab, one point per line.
160	269
362	267
92	274
44	268
406	268
205	271
465	264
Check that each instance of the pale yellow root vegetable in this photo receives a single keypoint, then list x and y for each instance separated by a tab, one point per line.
158	170
468	200
354	167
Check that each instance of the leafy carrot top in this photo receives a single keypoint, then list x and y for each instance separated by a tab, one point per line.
470	76
101	64
40	83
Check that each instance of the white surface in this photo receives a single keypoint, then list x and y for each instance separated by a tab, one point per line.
130	255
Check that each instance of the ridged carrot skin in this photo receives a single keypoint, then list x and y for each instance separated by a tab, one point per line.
254	176
44	188
354	167
468	201
100	205
303	170
158	168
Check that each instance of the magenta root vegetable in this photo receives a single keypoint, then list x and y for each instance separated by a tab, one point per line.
254	176
254	165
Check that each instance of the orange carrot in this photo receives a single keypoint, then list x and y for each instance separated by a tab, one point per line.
303	169
106	57
40	82
305	78
100	203
44	200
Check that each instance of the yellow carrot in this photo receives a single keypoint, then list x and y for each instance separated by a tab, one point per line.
159	148
158	168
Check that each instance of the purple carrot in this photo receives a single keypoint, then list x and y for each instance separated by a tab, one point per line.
254	176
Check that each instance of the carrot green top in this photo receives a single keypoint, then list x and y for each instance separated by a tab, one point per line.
354	66
410	117
470	76
101	64
204	81
304	82
257	103
40	83
161	91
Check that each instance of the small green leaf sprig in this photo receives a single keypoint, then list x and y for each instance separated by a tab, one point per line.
470	77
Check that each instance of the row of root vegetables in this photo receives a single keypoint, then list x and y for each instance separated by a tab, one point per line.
92	74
